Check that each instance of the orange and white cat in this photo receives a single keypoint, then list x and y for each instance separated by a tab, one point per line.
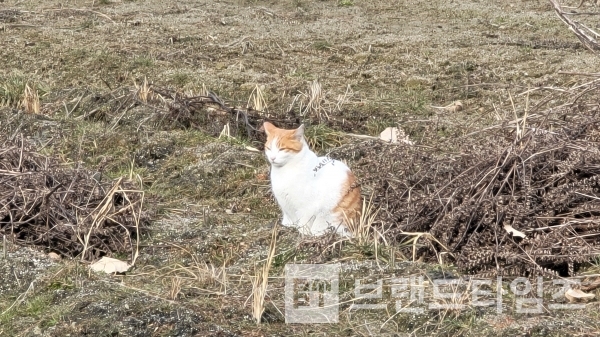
314	193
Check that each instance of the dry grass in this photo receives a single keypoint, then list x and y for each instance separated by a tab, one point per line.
143	91
315	98
454	296
175	287
311	102
257	99
31	100
344	98
261	279
363	229
314	103
175	279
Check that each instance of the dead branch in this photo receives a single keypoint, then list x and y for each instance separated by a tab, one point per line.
579	29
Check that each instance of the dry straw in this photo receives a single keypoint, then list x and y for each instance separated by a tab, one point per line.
31	100
257	99
260	281
143	91
362	227
313	103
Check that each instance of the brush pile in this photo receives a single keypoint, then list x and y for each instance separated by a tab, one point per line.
73	212
209	113
520	198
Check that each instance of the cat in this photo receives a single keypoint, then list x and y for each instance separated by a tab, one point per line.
314	193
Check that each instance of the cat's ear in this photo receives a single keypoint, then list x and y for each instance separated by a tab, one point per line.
299	133
269	128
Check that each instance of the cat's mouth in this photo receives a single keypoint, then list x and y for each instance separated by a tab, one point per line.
276	163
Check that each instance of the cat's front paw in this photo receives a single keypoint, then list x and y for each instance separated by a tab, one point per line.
343	231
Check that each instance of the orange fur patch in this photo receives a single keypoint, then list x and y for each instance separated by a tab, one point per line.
350	204
287	140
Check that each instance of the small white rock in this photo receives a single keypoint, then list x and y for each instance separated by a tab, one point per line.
54	256
110	265
390	134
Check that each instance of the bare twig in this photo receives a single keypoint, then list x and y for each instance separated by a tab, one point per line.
588	41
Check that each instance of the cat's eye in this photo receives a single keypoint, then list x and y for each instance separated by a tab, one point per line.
267	148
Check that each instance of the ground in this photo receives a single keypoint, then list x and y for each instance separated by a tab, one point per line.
387	62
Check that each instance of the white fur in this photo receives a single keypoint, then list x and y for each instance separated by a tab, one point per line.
307	196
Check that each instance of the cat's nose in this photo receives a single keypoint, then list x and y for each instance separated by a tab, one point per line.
272	158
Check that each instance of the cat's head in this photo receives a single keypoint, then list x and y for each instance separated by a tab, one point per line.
282	145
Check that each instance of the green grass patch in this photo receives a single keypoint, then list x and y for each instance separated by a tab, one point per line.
322	45
12	89
320	137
